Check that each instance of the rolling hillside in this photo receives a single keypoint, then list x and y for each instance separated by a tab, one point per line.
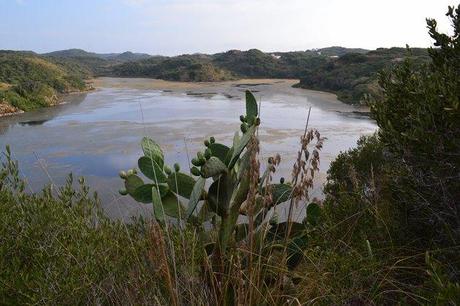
29	81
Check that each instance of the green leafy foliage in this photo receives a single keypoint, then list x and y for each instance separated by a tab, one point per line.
313	214
52	240
419	124
396	195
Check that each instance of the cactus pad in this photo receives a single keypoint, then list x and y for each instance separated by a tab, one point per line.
214	166
151	170
181	184
152	150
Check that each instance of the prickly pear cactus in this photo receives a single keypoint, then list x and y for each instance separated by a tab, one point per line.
181	195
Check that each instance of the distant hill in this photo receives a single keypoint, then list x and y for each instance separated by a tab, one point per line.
29	81
79	53
71	53
99	64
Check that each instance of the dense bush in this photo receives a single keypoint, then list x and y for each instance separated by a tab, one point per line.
398	191
419	118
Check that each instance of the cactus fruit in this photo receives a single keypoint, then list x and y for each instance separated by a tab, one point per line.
176	167
167	170
257	122
212	139
201	158
242	119
244	127
195	162
123	174
131	172
123	191
282	180
195	171
206	143
207	154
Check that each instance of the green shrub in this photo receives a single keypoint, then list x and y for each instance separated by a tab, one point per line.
419	117
57	247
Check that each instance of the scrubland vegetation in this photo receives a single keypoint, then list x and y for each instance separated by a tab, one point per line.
387	232
30	81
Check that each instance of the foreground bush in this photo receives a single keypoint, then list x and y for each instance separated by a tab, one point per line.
397	193
62	250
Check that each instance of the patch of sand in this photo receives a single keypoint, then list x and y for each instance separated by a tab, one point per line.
144	83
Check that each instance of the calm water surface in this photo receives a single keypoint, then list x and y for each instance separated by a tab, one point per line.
97	134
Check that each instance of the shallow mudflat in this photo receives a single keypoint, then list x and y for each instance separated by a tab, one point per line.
96	134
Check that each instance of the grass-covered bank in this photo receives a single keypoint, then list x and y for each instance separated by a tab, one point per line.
29	81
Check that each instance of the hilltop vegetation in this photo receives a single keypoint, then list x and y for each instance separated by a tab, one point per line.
190	68
353	76
231	64
30	81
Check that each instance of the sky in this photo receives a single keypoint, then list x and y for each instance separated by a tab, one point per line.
210	26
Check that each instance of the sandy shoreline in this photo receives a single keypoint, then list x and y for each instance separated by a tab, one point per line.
145	83
231	89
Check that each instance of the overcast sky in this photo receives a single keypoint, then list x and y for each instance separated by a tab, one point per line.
210	26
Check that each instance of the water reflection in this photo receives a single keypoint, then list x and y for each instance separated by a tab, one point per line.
97	134
41	116
32	122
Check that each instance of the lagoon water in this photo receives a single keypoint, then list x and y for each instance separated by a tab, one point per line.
97	134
